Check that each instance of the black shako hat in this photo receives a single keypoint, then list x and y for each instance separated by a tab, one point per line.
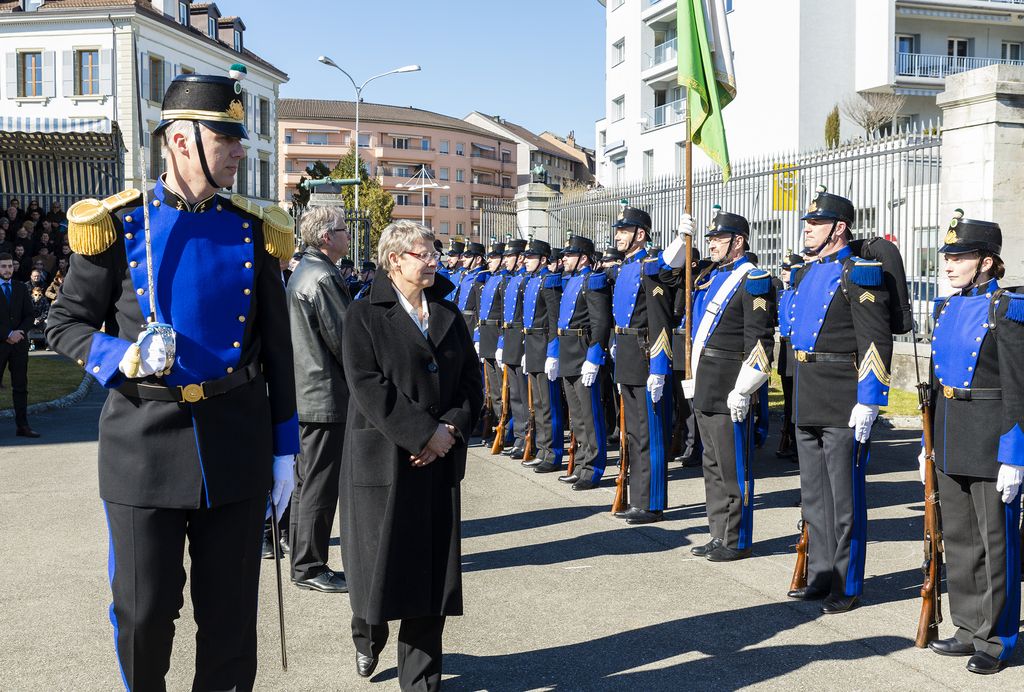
579	245
475	249
631	216
792	260
826	206
369	266
456	247
612	255
516	246
214	101
496	249
971	235
726	223
347	262
538	247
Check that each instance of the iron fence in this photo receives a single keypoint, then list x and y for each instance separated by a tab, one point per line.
498	219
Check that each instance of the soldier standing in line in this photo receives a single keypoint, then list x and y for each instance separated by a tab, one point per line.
685	435
456	268
584	325
467	297
977	390
488	325
509	353
786	366
842	343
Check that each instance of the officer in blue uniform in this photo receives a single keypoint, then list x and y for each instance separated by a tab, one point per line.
488	326
467	295
787	366
200	420
977	389
842	343
733	342
584	326
367	271
510	352
455	266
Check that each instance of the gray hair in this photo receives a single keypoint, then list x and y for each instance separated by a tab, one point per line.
176	127
317	221
399	237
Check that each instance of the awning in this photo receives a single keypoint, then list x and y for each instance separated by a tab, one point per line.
482	146
13	123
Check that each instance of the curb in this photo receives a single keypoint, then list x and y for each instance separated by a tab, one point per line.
63	402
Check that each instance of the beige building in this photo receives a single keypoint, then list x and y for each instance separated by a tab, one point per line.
468	164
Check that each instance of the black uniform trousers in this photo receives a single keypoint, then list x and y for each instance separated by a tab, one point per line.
648	433
147	577
419	649
586	414
494	374
315	497
14	357
728	477
548	420
981	539
518	402
611	403
685	418
832	493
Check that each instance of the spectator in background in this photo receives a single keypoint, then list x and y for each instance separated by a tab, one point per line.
5	245
15	321
53	290
37	279
62	266
40	309
56	215
13	212
46	259
22	264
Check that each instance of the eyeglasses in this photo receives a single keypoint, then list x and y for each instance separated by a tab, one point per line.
337	230
425	257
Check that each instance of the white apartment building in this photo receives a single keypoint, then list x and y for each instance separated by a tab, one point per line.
68	67
795	60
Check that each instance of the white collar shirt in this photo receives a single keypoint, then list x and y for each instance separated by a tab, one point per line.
423	324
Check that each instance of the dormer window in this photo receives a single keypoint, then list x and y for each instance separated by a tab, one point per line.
211	27
238	40
183	13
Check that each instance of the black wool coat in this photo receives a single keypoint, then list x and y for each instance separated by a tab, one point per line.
401	536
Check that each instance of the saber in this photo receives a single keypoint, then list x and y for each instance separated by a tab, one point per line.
280	594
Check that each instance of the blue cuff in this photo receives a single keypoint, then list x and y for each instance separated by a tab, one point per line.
661	364
105	356
476	335
871	391
1011	447
595	355
501	342
286	436
553	348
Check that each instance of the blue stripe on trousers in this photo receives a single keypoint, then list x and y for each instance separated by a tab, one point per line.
557	424
742	440
658	419
1008	624
859	539
597	411
111	568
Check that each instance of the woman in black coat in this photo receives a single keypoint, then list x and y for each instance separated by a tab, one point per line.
415	393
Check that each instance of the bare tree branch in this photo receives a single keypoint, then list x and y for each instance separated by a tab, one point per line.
872	110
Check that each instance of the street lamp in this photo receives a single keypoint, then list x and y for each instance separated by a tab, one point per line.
422	181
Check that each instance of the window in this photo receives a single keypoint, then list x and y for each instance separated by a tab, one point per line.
728	5
402	171
401	200
459	228
156	79
288	138
444	146
400	142
460	202
680	162
183	13
1011	51
242	179
618	108
506	181
444	201
238	40
364	140
905	44
30	74
476	229
289	166
426	199
506	156
618	51
648	164
264	117
87	72
443	174
156	160
264	190
602	139
444	227
460	175
957	47
620	170
425	144
460	149
211	27
317	139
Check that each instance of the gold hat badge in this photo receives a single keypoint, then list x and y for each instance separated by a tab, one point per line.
235	110
951	237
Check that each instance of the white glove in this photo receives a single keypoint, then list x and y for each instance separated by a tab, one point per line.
862	417
497	355
522	363
686	225
656	386
738	404
551	368
921	465
284	483
618	388
612	351
149	359
476	347
674	254
1008	481
588	373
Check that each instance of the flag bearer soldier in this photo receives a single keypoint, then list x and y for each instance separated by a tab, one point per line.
510	343
787	366
200	419
977	386
733	342
686	435
541	296
488	328
642	311
474	274
584	325
842	342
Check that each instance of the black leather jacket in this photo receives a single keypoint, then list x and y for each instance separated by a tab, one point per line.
317	300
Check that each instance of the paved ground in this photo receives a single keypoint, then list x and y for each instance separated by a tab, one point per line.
559	595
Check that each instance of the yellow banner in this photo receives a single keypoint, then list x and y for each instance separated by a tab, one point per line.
784	189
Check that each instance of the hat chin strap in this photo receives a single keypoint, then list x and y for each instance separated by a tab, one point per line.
202	155
828	239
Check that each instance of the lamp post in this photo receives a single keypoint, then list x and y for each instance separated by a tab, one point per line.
425	182
359	97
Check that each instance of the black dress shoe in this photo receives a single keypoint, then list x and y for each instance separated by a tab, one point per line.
325	582
25	431
838	604
622	513
689	461
570	478
516	453
584	485
808	593
724	553
983	664
531	464
267	552
951	647
545	467
635	515
703	550
286	546
365	665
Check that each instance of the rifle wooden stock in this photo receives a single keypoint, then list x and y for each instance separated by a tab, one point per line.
528	445
800	568
572	450
621	501
931	593
499	433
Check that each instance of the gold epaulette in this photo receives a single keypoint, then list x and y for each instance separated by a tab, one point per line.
90	228
278	226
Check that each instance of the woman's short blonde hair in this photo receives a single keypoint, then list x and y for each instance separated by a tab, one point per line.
399	237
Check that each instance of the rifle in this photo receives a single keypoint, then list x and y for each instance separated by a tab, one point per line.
530	424
621	501
572	450
499	433
931	592
276	533
800	568
487	417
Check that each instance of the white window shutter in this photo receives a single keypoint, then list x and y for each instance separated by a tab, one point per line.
49	74
168	76
259	115
144	57
11	74
106	72
68	76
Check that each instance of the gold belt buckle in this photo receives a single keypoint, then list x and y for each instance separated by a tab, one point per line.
947	392
801	356
192	393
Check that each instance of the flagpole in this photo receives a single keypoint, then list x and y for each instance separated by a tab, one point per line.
688	208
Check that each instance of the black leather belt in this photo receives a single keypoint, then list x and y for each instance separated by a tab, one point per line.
190	393
975	393
679	331
629	331
572	332
534	330
814	357
512	325
490	323
724	355
469	313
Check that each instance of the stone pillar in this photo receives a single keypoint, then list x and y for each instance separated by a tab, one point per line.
532	202
983	156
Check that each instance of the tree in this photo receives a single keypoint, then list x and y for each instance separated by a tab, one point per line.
318	170
872	110
832	128
375	203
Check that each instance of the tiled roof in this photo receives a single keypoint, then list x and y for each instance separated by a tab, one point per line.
527	136
317	109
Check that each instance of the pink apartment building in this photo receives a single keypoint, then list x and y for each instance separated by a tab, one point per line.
397	143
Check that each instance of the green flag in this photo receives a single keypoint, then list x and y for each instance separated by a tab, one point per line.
705	69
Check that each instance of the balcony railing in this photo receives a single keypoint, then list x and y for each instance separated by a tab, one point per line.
481	154
401	173
663	53
669	114
941	66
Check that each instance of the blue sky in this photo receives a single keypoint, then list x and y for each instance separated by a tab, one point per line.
535	62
